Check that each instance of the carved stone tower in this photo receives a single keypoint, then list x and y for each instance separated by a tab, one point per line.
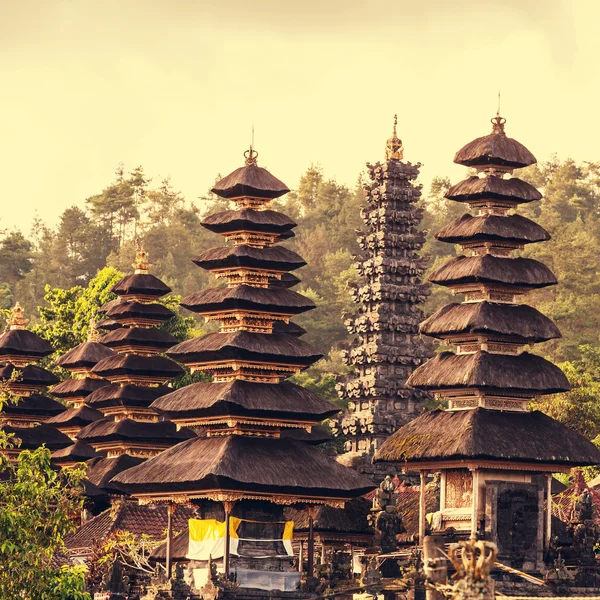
387	347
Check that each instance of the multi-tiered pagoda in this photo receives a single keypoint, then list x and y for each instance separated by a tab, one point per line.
74	392
495	456
133	364
27	408
243	466
387	346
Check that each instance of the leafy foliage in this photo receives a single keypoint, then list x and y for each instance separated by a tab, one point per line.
37	509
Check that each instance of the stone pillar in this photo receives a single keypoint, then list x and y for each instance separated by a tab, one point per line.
475	502
300	556
312	513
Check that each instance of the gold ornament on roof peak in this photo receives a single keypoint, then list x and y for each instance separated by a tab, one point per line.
141	264
93	333
498	124
251	157
393	147
17	319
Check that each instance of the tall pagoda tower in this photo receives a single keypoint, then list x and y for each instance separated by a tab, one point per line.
74	392
387	347
25	415
243	465
496	457
137	373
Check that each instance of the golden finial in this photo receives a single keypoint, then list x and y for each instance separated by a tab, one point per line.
17	319
141	264
498	121
93	333
393	147
251	157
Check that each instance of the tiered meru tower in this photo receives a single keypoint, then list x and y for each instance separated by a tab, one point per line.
389	294
243	461
136	371
496	457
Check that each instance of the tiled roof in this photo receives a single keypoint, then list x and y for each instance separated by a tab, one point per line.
127	516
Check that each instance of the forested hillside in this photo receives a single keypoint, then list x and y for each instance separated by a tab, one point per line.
60	262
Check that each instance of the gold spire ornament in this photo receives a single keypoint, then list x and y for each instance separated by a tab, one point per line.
141	264
93	333
17	319
251	157
498	121
393	147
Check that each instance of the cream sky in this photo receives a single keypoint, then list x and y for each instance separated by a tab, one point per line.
176	85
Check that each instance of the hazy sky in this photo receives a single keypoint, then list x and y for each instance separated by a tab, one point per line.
176	85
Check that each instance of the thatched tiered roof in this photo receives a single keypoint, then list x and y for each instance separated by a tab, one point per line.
248	219
511	228
527	373
480	434
126	311
245	345
276	300
29	375
276	258
248	398
79	416
523	272
30	438
121	365
36	406
513	190
517	320
78	388
85	355
140	284
241	464
77	452
116	394
250	180
21	342
138	337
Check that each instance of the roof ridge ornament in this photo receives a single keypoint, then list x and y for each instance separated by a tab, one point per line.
393	147
251	157
141	264
498	124
93	333
17	319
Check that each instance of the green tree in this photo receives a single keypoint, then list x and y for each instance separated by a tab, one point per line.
36	512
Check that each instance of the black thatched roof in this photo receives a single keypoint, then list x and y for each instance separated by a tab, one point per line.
250	180
80	416
525	272
289	328
519	320
350	519
108	305
248	219
142	284
84	355
130	364
244	398
107	430
35	405
78	388
276	258
179	547
288	280
131	395
22	342
480	433
495	149
280	466
139	336
527	373
134	309
108	324
513	228
495	188
29	375
79	452
101	470
34	437
245	345
275	300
